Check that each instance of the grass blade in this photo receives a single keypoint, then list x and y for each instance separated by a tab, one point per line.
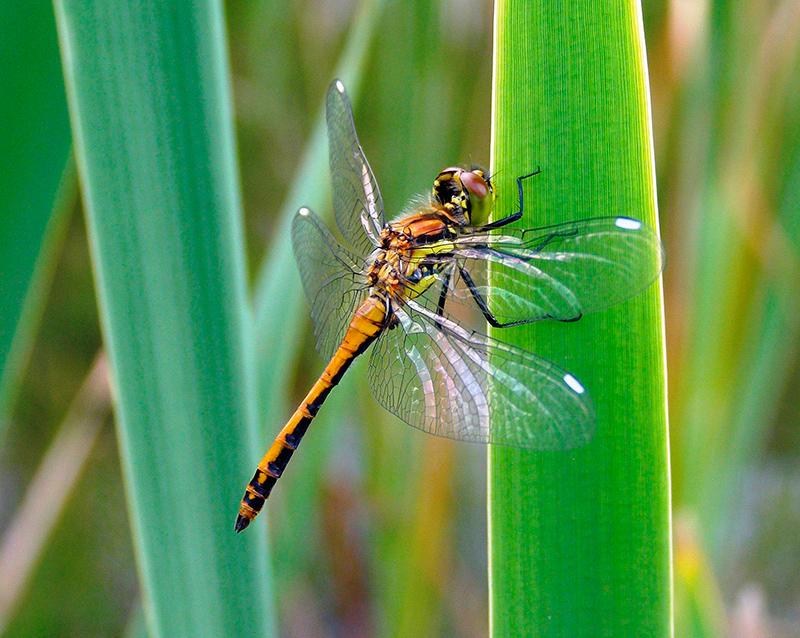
278	297
281	318
150	105
580	541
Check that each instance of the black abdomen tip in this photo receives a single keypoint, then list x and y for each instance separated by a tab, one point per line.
241	523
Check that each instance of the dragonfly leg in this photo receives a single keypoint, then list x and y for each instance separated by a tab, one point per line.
508	219
484	307
493	321
489	316
443	294
391	321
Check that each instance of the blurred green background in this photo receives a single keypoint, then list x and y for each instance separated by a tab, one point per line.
384	547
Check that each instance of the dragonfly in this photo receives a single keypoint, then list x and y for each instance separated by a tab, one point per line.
401	287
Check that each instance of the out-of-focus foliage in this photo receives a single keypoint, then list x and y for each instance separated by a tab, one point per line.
727	124
37	192
381	529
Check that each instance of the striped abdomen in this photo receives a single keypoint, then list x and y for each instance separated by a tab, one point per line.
367	323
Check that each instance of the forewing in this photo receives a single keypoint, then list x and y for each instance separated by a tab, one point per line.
559	272
332	279
459	384
356	197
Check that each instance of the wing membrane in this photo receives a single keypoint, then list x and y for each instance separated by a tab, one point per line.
448	381
356	197
559	272
332	279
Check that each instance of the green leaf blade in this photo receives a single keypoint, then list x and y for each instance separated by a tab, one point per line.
580	540
150	105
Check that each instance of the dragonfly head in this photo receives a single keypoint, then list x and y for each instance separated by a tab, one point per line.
465	194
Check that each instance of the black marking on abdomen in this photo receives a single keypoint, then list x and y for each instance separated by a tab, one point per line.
261	489
345	367
293	440
337	377
278	464
314	406
254	501
299	430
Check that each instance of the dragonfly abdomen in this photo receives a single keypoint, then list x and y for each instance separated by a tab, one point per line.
367	323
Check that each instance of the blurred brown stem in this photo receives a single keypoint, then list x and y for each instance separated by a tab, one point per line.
52	485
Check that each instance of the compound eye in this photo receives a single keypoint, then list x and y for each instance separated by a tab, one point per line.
475	183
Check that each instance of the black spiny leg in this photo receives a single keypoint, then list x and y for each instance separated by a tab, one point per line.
484	307
513	216
443	294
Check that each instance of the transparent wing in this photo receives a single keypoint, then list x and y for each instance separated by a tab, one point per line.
332	279
558	272
459	384
356	197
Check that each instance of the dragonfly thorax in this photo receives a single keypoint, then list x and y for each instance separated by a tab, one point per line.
387	266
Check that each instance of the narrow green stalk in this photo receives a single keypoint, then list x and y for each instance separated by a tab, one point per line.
278	297
580	540
281	319
151	115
